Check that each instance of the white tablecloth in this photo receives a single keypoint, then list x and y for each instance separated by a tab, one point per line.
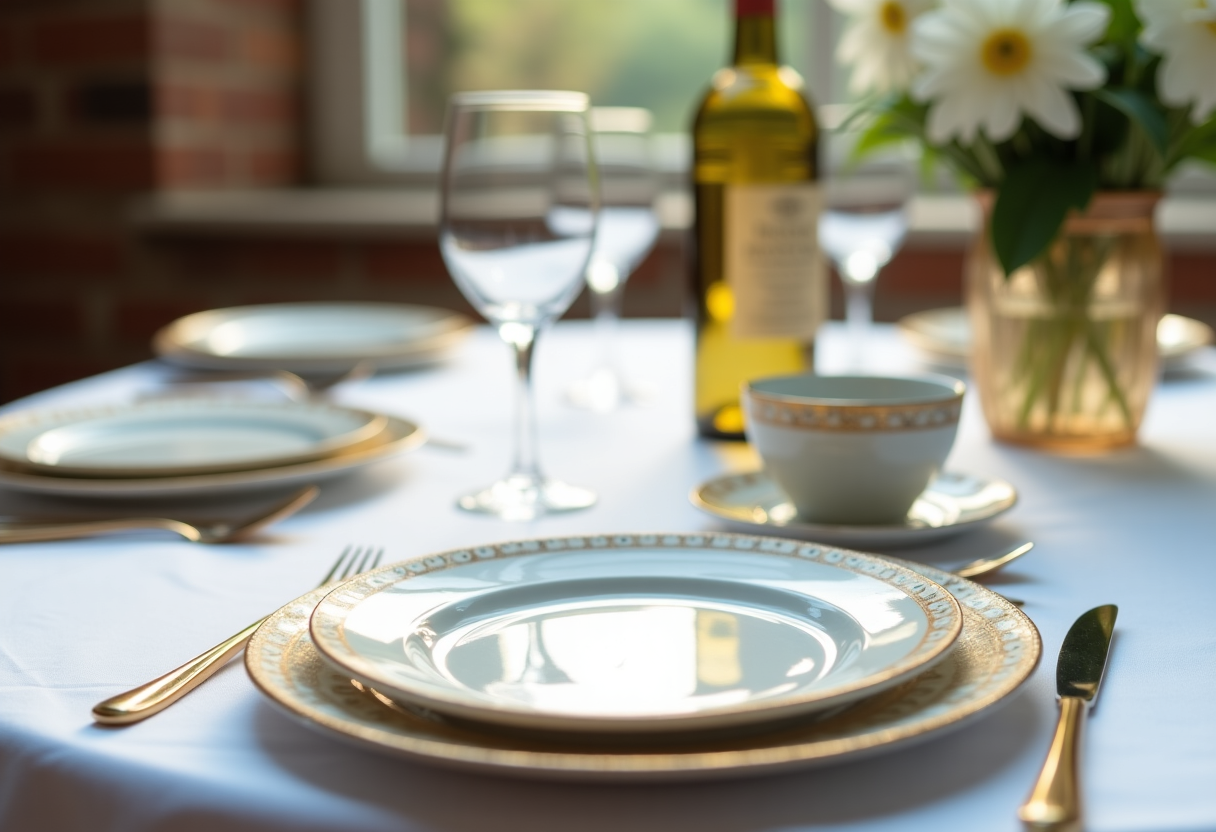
83	620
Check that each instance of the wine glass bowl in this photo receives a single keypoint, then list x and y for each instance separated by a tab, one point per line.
628	228
518	216
862	226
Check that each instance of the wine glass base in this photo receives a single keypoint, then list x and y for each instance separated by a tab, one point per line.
522	497
604	390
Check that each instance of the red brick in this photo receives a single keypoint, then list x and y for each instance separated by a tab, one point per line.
193	103
32	254
22	375
274	50
136	321
92	41
1192	276
80	166
924	270
8	55
205	167
32	320
179	39
292	259
404	262
253	106
273	168
18	108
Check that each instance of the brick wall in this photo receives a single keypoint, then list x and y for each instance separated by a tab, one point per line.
105	101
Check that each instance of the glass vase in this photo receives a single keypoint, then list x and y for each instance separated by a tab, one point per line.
1064	352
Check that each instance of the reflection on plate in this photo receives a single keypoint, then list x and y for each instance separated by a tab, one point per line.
636	633
397	437
312	337
180	438
946	335
952	503
996	653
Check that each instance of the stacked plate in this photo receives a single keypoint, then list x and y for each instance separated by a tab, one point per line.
310	338
643	656
192	446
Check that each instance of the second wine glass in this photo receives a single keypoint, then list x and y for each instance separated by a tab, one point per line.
518	216
628	228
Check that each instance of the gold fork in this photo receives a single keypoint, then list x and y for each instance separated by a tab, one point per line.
153	697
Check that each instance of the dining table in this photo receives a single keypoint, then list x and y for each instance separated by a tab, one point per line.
83	620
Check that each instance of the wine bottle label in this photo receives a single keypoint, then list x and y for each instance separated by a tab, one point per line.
772	260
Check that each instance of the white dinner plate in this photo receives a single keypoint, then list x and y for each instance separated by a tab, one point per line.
637	633
312	337
180	437
946	335
951	504
998	650
397	437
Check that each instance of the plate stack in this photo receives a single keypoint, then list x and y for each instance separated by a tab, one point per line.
192	446
643	656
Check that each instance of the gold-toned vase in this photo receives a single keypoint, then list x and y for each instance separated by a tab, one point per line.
1064	352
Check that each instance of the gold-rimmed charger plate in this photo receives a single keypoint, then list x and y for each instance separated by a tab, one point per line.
398	436
996	653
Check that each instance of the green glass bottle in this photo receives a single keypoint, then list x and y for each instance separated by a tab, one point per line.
758	278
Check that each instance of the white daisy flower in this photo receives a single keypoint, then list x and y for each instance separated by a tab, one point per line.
989	62
876	42
1183	32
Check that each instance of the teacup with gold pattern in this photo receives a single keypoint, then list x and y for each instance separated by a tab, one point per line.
853	450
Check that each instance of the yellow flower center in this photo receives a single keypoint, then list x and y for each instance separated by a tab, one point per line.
1006	52
893	17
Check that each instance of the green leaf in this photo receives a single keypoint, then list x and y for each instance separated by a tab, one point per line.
1124	24
1032	203
1142	111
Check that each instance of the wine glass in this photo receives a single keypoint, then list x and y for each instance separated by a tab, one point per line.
862	226
628	228
518	211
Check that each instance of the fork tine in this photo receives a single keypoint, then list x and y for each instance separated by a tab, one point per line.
375	560
333	570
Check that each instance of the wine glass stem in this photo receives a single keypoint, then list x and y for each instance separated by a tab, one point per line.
606	307
859	314
525	464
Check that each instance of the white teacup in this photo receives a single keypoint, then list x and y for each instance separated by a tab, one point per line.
853	450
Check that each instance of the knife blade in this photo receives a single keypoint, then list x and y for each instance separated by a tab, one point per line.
1055	801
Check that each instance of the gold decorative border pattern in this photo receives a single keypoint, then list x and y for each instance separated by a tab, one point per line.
938	605
855	419
998	650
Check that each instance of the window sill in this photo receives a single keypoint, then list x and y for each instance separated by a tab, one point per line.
1187	223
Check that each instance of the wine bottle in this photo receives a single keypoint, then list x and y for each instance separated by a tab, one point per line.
758	278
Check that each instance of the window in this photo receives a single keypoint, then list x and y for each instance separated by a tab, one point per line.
383	68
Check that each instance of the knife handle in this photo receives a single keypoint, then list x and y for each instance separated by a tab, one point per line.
1055	801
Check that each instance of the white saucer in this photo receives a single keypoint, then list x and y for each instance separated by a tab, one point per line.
951	504
637	634
312	337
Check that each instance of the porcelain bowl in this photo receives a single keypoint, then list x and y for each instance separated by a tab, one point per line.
853	449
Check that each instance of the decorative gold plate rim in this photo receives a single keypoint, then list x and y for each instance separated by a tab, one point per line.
398	436
373	424
176	341
942	617
998	650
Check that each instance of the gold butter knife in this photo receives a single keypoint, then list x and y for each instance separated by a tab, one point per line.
1055	801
